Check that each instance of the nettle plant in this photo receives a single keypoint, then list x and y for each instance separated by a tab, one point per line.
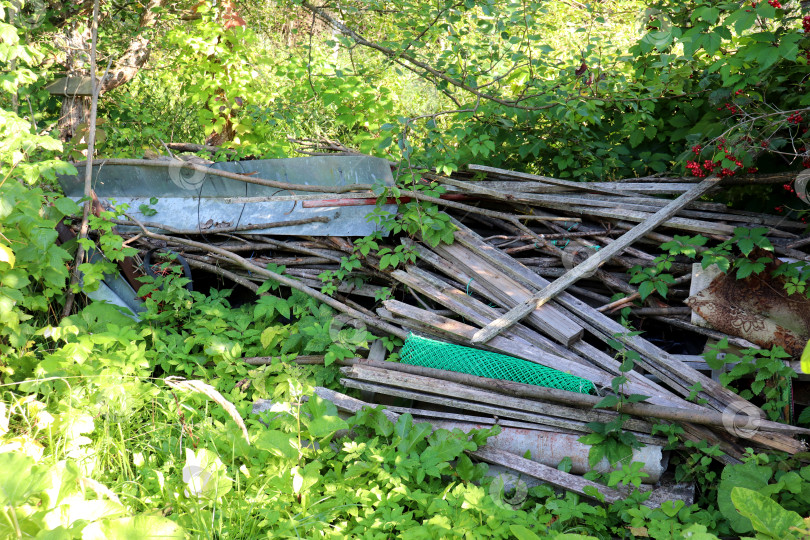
772	376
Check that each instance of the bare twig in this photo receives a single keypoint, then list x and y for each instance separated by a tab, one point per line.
284	280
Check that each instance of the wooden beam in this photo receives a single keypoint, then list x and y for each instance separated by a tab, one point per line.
564	480
593	262
579	186
507	292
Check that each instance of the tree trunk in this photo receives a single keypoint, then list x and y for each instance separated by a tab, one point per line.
76	109
225	112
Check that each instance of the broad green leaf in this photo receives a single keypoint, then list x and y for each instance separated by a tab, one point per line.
278	443
805	359
20	478
747	475
322	426
142	527
66	206
607	402
645	289
522	533
766	515
76	509
6	255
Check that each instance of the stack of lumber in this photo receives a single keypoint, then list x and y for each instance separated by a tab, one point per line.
531	273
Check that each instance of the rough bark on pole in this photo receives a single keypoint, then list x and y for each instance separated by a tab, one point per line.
88	172
593	262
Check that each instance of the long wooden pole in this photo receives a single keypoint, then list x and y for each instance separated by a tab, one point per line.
592	263
88	172
511	388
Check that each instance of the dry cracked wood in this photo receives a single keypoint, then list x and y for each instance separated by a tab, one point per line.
593	262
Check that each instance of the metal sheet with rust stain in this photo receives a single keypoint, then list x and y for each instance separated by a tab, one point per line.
757	308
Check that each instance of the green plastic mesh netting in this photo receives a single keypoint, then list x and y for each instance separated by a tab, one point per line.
421	351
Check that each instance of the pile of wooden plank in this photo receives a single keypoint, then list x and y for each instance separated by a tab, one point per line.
531	273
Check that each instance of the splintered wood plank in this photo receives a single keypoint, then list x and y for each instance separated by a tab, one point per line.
472	309
470	394
592	263
508	292
650	188
456	403
578	186
555	477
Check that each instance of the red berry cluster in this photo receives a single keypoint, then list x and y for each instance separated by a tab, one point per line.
733	109
775	3
779	209
702	170
806	24
788	188
795	118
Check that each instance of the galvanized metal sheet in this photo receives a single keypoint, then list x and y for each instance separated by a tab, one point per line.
189	199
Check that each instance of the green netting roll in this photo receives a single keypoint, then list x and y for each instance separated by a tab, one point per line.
421	351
